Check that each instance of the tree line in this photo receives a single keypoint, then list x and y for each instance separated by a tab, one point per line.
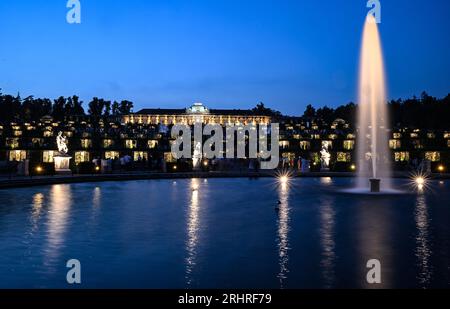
15	108
425	112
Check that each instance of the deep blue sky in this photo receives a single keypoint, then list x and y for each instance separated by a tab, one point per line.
224	53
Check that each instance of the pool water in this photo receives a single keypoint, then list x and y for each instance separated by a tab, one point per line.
224	233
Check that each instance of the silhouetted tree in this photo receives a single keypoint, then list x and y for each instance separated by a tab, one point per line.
59	108
107	110
125	107
115	108
96	107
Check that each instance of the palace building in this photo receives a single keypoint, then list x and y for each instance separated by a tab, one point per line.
194	114
144	138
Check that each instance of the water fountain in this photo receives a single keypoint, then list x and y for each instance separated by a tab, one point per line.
374	168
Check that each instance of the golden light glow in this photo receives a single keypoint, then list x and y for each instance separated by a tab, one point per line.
39	169
97	168
420	181
174	167
284	178
353	167
194	186
441	168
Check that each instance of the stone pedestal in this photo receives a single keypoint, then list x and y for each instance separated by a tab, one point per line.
62	163
375	185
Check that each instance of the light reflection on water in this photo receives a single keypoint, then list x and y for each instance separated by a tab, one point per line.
327	241
192	230
180	234
423	251
283	231
374	239
58	213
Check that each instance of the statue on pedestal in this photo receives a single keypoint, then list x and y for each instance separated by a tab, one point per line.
61	158
325	157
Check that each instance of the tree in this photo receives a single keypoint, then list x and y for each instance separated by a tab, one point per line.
107	111
77	107
59	108
96	107
310	112
326	114
115	108
125	107
260	109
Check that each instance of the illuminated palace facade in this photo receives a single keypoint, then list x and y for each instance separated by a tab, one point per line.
145	137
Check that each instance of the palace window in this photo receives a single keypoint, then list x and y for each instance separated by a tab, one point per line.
12	142
327	144
305	145
86	143
48	134
17	155
152	144
37	142
395	144
47	156
107	143
349	144
350	136
333	136
284	144
111	155
315	136
397	135
17	133
431	135
433	156
344	157
81	156
414	135
168	157
417	144
401	156
140	155
447	135
130	143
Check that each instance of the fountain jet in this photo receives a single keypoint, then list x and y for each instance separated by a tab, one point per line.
372	151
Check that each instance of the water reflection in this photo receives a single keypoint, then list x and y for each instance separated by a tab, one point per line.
60	202
374	234
423	251
283	231
326	181
192	231
327	242
36	211
96	197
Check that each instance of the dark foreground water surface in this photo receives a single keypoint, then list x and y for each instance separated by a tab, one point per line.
223	233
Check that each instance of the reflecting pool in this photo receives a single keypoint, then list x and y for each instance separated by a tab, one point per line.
224	233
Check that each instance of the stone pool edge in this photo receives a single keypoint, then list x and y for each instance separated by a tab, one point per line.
18	182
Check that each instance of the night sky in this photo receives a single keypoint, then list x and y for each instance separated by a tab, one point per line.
224	53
